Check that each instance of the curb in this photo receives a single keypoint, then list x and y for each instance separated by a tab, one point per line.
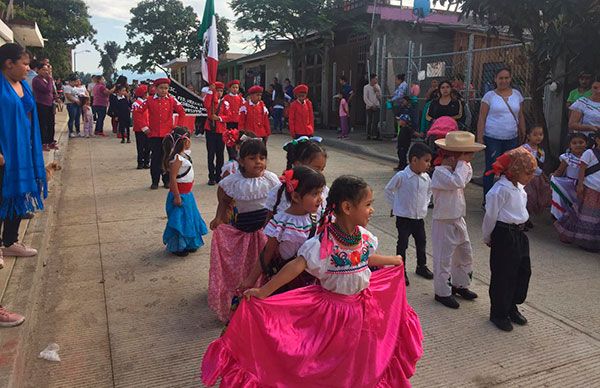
347	146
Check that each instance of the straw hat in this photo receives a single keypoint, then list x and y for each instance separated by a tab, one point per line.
459	141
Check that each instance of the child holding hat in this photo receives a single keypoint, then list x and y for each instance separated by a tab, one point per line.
301	116
254	115
452	253
504	232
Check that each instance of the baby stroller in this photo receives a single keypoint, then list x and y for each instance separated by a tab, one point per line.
438	130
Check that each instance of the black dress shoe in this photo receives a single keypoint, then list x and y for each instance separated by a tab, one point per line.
464	292
517	317
406	281
181	253
166	186
146	166
424	272
140	166
448	301
154	186
502	323
211	182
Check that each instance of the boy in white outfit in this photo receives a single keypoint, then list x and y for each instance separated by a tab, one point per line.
452	253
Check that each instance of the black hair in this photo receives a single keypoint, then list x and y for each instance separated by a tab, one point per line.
288	80
302	152
249	134
35	64
343	78
308	180
596	78
121	87
345	188
11	52
578	135
501	69
535	125
418	150
84	100
121	80
401	77
373	75
173	145
253	147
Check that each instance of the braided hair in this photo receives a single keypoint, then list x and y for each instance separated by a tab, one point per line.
303	152
173	144
349	188
308	180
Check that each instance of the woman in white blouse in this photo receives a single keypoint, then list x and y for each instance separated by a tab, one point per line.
501	121
585	112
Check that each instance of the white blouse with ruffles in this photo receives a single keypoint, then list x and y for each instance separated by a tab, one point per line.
291	231
250	194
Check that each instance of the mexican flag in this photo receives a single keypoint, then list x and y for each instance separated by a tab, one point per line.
210	48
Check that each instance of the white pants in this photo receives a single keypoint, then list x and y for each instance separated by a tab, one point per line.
452	255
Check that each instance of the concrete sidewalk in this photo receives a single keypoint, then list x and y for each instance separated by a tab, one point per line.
126	314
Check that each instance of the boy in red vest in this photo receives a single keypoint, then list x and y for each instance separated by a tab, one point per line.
235	100
160	107
140	127
301	118
254	115
219	112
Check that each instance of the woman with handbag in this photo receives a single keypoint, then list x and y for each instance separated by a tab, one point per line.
501	125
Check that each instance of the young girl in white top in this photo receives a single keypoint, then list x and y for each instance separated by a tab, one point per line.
564	180
185	227
452	252
503	231
233	139
288	230
303	151
538	190
235	246
581	225
355	329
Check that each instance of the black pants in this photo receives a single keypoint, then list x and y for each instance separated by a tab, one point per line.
373	123
10	227
143	150
156	170
511	269
124	130
215	149
404	139
407	227
100	116
94	113
199	123
46	119
231	151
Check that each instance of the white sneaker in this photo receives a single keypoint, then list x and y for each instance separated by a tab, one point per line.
72	135
80	134
19	250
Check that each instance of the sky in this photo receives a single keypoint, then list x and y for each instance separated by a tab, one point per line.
109	18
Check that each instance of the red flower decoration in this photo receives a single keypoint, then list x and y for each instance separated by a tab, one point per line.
355	258
288	180
230	137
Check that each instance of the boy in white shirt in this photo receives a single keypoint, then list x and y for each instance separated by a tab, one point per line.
408	193
503	231
452	253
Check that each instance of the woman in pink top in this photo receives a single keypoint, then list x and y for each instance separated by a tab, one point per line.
344	123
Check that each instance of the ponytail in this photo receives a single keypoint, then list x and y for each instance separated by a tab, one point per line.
278	200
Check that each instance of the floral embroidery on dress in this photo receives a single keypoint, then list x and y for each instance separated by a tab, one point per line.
356	259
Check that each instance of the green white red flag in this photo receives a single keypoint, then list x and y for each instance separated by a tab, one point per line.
210	48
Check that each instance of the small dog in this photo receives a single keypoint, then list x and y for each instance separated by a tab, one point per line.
50	168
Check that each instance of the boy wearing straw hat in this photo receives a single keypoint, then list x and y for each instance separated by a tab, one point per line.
452	253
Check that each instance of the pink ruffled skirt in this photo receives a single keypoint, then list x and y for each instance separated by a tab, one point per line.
233	255
310	337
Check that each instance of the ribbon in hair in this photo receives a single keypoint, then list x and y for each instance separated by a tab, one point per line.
500	166
288	180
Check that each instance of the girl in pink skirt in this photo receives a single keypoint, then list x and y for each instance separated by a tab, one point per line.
354	330
235	246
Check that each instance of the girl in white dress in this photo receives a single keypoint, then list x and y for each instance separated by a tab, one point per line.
564	179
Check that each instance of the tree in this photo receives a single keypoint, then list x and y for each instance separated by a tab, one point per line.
64	23
555	29
108	57
294	20
223	34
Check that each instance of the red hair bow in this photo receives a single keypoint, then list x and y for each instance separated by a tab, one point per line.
500	166
288	180
230	137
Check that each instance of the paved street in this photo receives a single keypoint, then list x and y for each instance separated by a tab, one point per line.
126	314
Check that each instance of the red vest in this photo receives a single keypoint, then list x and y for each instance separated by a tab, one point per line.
140	116
211	103
160	114
255	118
301	118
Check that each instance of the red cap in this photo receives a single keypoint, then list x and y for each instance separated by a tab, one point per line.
301	89
219	85
255	89
161	81
140	90
234	82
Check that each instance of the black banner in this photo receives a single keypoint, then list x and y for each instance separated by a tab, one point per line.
192	104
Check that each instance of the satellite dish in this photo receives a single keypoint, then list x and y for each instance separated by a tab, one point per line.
421	8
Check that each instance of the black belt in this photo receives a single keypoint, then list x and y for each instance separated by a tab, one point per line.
519	227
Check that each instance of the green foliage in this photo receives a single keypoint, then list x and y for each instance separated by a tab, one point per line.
108	57
64	23
223	34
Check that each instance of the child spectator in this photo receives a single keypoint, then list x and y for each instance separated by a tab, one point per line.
539	194
88	117
140	127
452	252
185	226
122	111
503	231
405	131
564	179
581	225
254	115
301	116
344	119
408	193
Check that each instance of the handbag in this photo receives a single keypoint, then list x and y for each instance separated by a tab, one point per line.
596	167
509	108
